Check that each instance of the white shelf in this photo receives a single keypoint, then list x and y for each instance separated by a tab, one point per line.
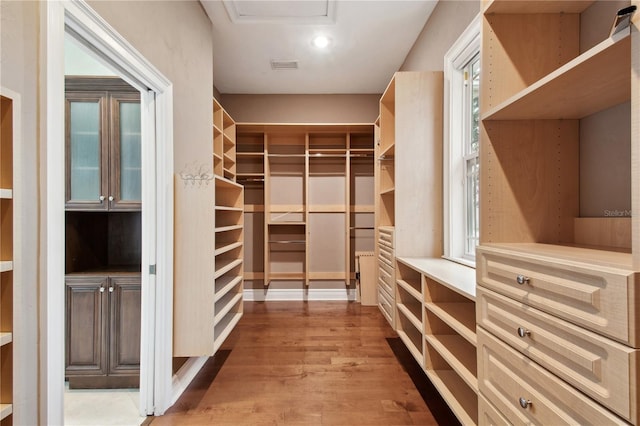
6	338
603	69
5	410
6	265
6	194
225	265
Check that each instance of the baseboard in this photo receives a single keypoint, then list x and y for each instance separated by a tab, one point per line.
263	295
185	375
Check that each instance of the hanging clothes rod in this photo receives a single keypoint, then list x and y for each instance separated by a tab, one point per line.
287	242
362	227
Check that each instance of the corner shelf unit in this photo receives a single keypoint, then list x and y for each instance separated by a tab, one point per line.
224	143
435	318
7	283
309	184
552	129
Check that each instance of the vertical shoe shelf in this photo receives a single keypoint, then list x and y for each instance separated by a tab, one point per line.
229	238
6	261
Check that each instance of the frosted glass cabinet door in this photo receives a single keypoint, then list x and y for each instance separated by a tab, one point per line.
126	177
87	156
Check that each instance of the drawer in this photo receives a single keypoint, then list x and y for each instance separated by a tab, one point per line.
385	237
526	393
386	286
595	297
387	273
601	368
488	415
386	305
386	254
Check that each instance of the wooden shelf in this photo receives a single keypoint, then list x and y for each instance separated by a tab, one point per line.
388	152
223	247
455	350
216	130
417	353
286	276
229	209
243	154
389	191
460	398
6	266
228	228
224	328
459	316
417	322
6	194
225	265
455	276
410	289
224	285
5	410
6	338
596	80
227	302
535	6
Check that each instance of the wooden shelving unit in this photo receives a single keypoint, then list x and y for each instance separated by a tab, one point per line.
435	318
6	260
538	256
309	185
229	255
224	143
208	300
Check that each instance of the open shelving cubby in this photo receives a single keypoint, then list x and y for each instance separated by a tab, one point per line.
541	118
224	143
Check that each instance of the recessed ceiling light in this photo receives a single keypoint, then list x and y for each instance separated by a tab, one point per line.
321	41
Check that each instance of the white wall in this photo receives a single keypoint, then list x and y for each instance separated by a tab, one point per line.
19	22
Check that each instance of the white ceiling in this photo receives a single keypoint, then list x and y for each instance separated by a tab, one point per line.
369	42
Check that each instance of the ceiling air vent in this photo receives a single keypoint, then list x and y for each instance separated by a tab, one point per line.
284	65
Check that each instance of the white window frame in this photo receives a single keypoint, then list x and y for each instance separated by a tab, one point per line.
454	167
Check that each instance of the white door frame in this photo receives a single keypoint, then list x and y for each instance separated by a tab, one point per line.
157	246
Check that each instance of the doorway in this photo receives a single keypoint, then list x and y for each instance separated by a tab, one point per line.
79	20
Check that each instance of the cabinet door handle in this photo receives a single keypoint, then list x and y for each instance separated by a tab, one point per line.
523	332
521	279
101	198
110	289
101	289
524	403
110	198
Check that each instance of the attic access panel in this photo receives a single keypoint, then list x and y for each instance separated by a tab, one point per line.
301	12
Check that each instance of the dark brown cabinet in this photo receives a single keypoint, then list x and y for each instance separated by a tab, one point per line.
102	330
103	232
103	145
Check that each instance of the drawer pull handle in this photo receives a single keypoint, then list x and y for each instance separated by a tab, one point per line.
521	279
524	403
523	332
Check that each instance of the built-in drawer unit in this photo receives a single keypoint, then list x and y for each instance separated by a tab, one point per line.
526	393
386	274
601	368
597	297
488	415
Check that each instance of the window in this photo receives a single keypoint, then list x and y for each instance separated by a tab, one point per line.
461	146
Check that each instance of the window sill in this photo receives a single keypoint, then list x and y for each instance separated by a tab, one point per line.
462	261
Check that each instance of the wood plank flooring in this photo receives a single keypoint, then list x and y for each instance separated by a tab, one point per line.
310	363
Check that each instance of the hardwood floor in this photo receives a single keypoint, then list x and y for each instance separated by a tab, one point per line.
310	363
